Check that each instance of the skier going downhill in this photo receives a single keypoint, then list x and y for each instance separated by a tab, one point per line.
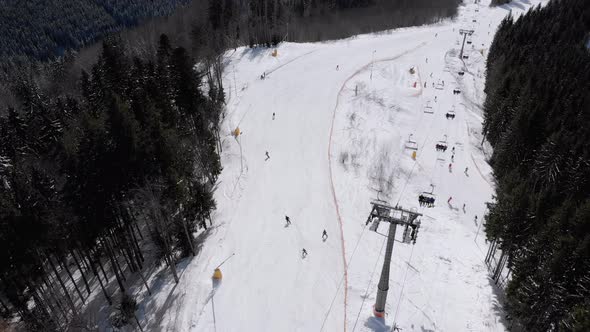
450	168
273	115
267	156
303	253
288	220
324	235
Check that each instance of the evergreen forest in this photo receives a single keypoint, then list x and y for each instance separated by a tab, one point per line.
537	116
106	185
44	29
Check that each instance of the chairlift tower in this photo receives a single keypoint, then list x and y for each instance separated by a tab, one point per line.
465	33
394	216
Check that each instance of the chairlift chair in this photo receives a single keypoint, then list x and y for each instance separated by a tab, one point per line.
428	108
442	144
427	198
411	144
451	113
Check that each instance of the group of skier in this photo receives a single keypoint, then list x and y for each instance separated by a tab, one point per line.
303	251
427	201
441	147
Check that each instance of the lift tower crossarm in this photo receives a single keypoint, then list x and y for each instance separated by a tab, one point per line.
394	216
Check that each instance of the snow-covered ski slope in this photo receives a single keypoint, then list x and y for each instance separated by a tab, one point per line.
337	142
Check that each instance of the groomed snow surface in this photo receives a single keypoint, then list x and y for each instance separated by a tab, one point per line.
343	112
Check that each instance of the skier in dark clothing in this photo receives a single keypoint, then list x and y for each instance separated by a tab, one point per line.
267	156
303	253
324	235
288	220
273	115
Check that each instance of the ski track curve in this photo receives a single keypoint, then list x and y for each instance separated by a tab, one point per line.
332	175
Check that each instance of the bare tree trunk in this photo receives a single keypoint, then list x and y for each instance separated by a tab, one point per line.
123	251
81	271
137	321
104	291
172	266
491	251
145	282
499	267
106	278
40	303
169	254
189	238
135	244
55	309
63	286
130	246
137	229
114	257
114	264
51	291
84	262
64	265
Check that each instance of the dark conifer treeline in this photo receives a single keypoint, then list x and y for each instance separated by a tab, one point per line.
537	116
43	29
87	184
499	2
267	22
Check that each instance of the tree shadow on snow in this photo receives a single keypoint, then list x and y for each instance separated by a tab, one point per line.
152	306
514	5
254	52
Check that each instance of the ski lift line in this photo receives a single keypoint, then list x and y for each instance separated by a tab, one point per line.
340	283
369	284
403	286
413	166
